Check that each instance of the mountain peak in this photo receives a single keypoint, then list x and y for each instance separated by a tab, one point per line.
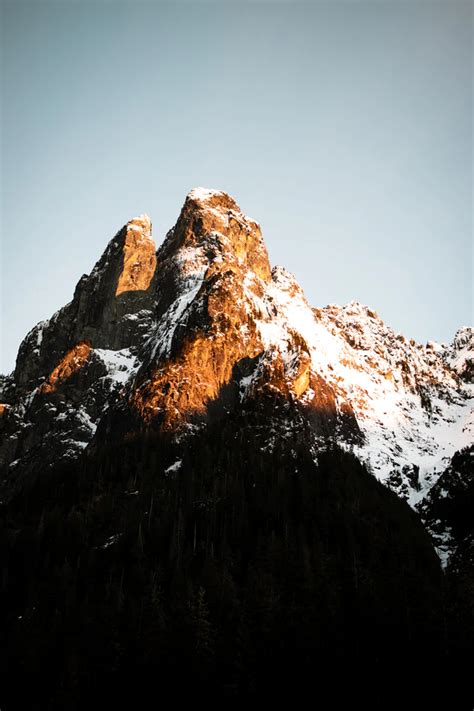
211	224
208	199
143	218
217	202
139	257
202	195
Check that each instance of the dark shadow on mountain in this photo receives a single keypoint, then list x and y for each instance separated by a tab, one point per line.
232	565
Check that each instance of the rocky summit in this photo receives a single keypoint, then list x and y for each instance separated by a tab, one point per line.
205	477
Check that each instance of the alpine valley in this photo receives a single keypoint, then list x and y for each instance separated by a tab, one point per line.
211	490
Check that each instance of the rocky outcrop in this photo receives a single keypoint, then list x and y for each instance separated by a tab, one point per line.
208	261
70	364
71	367
459	355
139	257
112	307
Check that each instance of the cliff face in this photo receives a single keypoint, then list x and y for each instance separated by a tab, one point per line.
70	368
139	258
205	324
111	307
173	340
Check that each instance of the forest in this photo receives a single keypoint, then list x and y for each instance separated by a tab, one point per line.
224	569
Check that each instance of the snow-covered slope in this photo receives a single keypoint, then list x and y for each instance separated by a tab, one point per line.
413	409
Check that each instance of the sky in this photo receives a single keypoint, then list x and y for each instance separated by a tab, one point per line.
344	128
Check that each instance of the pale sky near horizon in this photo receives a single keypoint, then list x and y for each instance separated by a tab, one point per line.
344	128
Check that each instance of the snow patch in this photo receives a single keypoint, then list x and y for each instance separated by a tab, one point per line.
111	540
121	365
203	194
174	467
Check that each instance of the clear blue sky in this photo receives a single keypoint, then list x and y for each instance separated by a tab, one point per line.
344	128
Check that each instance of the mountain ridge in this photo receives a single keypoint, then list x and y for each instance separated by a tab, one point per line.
162	334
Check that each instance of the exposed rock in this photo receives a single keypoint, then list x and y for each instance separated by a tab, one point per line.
71	367
139	258
209	326
112	307
447	509
459	355
72	362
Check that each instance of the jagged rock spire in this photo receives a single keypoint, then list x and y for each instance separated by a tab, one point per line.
111	306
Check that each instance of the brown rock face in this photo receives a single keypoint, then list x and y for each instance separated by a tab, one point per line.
221	253
214	272
72	362
139	258
213	282
206	212
180	390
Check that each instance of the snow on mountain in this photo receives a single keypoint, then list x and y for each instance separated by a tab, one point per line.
411	406
121	365
167	331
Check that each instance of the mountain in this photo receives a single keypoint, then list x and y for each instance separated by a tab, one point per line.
204	477
162	336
